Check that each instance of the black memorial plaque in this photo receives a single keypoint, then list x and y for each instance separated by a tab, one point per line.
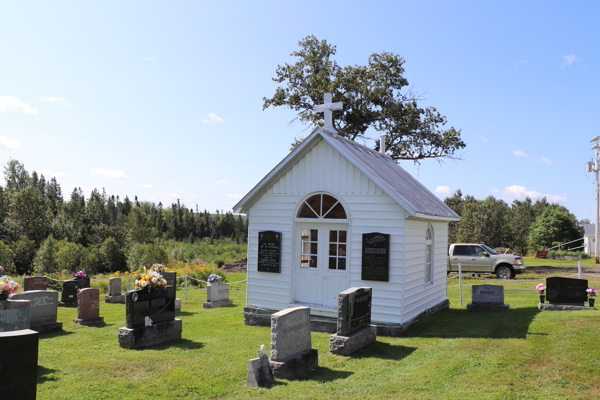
376	257
269	251
567	290
154	303
69	293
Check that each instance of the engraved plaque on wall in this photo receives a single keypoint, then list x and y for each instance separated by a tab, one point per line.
376	257
269	251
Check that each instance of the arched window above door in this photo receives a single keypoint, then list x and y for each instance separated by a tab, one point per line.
322	206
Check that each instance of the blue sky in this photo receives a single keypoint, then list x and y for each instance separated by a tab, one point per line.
163	100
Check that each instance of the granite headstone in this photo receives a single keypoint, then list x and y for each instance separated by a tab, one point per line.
88	307
43	309
18	364
218	295
114	291
487	298
35	283
354	329
566	290
69	293
14	315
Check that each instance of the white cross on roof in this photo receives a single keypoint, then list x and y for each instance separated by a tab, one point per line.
327	109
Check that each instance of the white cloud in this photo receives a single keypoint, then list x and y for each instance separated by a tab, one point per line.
147	185
13	104
108	173
234	195
48	173
212	119
483	138
9	144
542	160
229	203
53	99
222	182
568	60
520	153
442	189
151	59
208	202
516	192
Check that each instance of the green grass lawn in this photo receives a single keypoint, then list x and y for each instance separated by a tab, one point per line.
453	354
543	262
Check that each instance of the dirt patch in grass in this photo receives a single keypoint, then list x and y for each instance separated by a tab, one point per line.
563	269
238	266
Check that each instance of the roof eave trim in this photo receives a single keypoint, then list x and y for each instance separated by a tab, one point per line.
436	217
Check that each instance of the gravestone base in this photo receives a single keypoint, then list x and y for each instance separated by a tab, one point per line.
71	304
147	336
487	307
563	307
220	303
295	365
346	345
45	328
120	299
19	364
89	321
259	372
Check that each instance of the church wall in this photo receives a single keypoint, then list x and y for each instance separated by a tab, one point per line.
370	210
419	296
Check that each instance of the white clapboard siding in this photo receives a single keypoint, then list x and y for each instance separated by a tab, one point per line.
418	296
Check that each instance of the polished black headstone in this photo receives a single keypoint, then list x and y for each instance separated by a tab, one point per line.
354	310
18	364
82	282
269	251
154	303
171	278
566	290
69	293
376	257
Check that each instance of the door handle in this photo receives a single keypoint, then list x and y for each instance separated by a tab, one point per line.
472	259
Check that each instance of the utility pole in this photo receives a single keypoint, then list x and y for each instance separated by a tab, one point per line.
597	170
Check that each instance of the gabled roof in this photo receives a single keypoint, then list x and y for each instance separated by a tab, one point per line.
401	186
589	229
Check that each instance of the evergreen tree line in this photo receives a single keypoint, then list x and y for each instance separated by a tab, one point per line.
40	231
523	226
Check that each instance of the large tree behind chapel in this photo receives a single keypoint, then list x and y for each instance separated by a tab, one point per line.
375	96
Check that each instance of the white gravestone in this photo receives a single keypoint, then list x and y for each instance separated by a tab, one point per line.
487	298
217	295
114	291
43	309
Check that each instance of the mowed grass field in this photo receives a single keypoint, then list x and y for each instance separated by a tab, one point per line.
453	354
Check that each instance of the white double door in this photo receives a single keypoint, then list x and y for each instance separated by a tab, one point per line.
321	263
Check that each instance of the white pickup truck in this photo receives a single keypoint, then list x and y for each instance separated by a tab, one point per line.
481	259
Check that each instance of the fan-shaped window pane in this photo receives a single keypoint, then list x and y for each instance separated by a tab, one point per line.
322	206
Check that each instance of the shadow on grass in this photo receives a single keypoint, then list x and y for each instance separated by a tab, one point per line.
460	323
43	374
48	335
323	374
384	351
184	344
185	313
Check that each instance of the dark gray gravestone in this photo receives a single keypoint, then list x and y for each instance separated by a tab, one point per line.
171	278
375	257
269	251
18	364
567	290
157	304
354	310
82	282
69	293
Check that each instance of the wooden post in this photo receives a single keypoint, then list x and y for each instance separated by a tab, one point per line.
579	269
460	282
185	295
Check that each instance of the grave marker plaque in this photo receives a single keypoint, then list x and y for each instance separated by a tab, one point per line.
43	309
156	304
269	251
376	257
69	294
567	290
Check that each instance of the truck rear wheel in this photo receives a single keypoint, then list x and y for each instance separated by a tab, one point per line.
505	272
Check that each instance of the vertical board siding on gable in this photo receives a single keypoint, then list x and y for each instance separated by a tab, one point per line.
419	297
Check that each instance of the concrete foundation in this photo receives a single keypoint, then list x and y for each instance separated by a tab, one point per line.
147	336
120	299
346	345
562	307
225	303
295	365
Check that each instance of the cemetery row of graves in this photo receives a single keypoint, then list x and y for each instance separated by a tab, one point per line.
489	326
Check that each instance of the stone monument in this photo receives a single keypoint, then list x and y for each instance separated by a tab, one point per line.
291	346
217	295
259	370
14	315
114	291
88	307
35	283
565	294
354	329
18	364
69	294
150	317
487	298
43	309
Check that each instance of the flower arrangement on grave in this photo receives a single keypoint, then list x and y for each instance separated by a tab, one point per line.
591	291
8	286
151	279
213	278
160	268
540	288
80	274
1	269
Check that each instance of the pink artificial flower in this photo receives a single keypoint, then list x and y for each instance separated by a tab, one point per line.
18	286
540	287
6	287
